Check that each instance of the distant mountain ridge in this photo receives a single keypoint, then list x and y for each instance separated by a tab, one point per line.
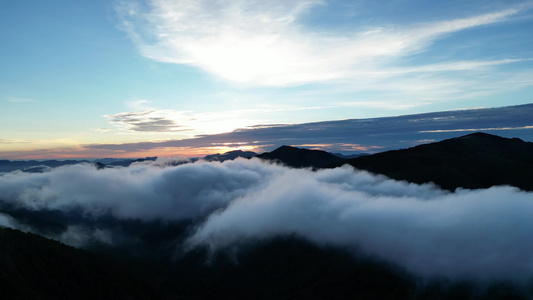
39	166
476	160
12	165
301	158
230	155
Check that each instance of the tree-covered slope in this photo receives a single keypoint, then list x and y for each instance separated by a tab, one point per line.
476	160
33	267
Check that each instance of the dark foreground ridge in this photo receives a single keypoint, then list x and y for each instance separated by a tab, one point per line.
473	161
33	267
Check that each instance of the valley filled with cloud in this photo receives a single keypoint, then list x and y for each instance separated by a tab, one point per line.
250	149
475	234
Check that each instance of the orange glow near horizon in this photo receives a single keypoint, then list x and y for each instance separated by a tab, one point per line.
86	153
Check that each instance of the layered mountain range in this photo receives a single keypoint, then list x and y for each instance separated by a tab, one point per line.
284	267
476	160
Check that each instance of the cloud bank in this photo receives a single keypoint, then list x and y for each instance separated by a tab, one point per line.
479	234
142	191
470	234
345	136
372	134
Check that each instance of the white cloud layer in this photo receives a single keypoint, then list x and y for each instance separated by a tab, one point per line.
7	221
142	191
484	234
470	234
265	43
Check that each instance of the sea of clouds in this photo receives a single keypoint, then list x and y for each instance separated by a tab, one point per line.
482	234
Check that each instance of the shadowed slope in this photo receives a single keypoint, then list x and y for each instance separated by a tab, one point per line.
33	267
477	160
301	158
230	155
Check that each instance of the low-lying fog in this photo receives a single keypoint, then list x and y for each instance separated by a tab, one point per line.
483	234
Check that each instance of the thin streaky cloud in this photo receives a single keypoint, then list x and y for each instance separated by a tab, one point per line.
373	133
145	121
477	129
263	44
194	124
444	27
15	141
446	67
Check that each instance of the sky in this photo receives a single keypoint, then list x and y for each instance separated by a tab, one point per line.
76	75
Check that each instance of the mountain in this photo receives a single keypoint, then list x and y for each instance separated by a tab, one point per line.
301	158
477	160
39	166
34	166
147	259
350	156
125	162
33	267
231	155
37	169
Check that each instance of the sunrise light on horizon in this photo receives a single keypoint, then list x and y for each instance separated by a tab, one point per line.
76	75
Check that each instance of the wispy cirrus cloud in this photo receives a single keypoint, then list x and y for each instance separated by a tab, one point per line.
449	67
374	134
148	119
258	43
353	135
184	122
15	141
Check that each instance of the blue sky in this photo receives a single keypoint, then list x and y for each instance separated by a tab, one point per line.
75	74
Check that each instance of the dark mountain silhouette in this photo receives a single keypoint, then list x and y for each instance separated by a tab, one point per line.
33	267
349	156
126	162
34	166
152	265
110	160
286	267
301	158
38	166
477	160
231	155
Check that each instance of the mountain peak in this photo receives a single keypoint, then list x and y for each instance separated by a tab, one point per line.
480	135
477	160
231	155
301	158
